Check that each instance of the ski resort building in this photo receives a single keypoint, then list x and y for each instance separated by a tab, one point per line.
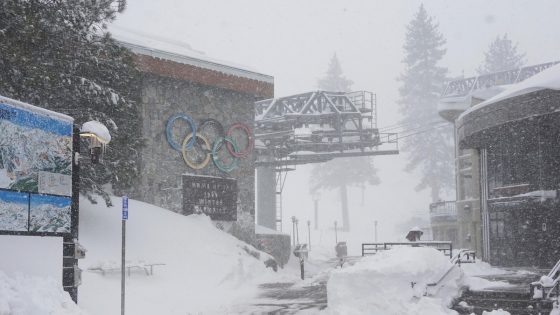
507	164
191	84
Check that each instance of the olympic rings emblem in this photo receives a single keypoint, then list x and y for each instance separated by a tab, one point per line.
196	147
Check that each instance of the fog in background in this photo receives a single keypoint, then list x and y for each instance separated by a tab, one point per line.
293	40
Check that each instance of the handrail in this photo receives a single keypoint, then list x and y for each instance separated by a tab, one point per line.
554	275
554	269
433	284
456	260
373	248
554	286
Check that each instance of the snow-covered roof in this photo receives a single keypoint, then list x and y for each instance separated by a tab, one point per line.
35	109
176	51
547	79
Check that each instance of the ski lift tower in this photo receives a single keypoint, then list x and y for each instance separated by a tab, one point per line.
312	127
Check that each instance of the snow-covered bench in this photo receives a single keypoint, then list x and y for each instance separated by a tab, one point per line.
113	267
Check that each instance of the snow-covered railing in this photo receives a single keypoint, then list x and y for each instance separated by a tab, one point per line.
548	286
458	259
466	86
443	208
110	267
373	248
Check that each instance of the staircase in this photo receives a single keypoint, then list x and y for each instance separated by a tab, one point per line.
518	299
515	302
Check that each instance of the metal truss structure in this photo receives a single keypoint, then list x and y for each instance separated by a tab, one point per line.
312	127
318	126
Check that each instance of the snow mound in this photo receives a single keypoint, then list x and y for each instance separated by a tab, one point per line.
496	312
481	268
205	270
382	284
26	295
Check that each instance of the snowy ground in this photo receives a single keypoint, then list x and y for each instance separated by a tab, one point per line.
208	271
28	295
205	270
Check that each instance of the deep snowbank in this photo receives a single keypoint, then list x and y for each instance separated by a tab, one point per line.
26	295
205	269
381	284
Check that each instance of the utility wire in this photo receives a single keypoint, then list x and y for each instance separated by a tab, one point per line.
404	124
424	131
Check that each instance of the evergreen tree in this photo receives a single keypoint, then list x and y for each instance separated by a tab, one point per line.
502	55
334	80
56	54
431	150
341	172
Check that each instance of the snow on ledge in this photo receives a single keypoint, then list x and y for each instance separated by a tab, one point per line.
259	229
35	109
547	79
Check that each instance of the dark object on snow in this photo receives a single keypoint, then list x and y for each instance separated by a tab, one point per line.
414	234
271	263
277	245
301	251
341	249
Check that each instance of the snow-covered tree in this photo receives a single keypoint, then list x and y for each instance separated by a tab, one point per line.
430	150
341	173
56	54
334	80
501	55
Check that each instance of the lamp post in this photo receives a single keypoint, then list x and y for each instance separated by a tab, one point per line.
335	233
316	201
309	234
375	228
297	231
294	231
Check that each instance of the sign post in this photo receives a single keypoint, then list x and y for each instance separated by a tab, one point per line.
123	267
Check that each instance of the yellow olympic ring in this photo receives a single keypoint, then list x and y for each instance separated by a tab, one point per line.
184	150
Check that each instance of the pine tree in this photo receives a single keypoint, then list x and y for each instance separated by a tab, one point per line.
502	55
56	54
430	150
341	173
334	80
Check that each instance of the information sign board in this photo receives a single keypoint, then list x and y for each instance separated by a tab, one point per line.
213	196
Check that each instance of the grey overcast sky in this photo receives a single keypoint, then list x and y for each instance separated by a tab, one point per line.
293	41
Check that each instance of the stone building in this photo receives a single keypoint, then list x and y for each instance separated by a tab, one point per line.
180	84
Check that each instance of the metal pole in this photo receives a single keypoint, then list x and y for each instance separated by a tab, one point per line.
297	231
375	225
294	231
123	248
123	265
335	233
316	214
309	234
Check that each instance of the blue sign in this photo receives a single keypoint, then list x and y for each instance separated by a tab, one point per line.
125	208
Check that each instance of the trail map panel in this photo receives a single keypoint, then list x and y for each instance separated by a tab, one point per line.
35	169
213	196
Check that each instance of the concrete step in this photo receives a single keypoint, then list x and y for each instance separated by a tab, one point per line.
517	303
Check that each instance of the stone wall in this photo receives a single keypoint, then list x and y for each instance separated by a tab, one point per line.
162	166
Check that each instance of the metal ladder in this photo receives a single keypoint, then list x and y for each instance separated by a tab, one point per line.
279	186
281	175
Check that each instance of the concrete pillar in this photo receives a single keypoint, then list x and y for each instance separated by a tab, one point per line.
266	197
